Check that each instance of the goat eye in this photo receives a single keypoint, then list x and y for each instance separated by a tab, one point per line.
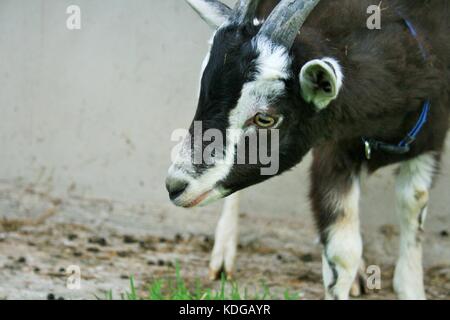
264	121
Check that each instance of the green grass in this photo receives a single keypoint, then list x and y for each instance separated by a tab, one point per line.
176	289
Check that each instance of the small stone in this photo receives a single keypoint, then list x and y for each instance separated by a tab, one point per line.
56	202
129	239
22	260
98	240
124	254
146	245
307	258
77	254
72	237
207	239
178	237
93	249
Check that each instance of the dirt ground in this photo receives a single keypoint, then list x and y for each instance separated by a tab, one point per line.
41	236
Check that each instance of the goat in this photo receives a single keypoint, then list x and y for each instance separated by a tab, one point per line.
312	71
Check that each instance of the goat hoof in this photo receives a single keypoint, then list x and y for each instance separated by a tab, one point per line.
215	275
358	288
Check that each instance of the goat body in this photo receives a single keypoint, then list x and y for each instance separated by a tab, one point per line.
325	88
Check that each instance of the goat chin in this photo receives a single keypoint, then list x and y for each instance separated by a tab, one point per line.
192	201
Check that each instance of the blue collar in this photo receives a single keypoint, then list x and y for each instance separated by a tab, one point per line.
403	146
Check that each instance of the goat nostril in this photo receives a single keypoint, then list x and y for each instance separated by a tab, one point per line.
176	189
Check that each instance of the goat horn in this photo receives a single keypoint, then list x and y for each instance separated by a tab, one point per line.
286	20
246	10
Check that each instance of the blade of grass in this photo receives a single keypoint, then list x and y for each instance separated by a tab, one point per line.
132	295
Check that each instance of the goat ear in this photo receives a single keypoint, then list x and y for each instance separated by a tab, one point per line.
321	81
213	12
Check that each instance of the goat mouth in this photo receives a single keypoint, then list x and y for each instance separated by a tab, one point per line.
198	200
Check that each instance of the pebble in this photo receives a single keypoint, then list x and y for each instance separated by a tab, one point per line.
129	239
147	245
22	260
162	240
124	254
307	258
51	296
93	250
72	237
178	237
77	254
98	240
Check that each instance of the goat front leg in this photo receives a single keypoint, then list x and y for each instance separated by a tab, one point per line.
223	256
335	197
413	184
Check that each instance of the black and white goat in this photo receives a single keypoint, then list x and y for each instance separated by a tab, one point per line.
315	72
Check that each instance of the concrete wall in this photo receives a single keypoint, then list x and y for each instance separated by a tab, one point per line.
92	111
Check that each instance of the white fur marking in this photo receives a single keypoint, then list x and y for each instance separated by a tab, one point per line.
413	184
344	247
273	61
226	239
273	65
